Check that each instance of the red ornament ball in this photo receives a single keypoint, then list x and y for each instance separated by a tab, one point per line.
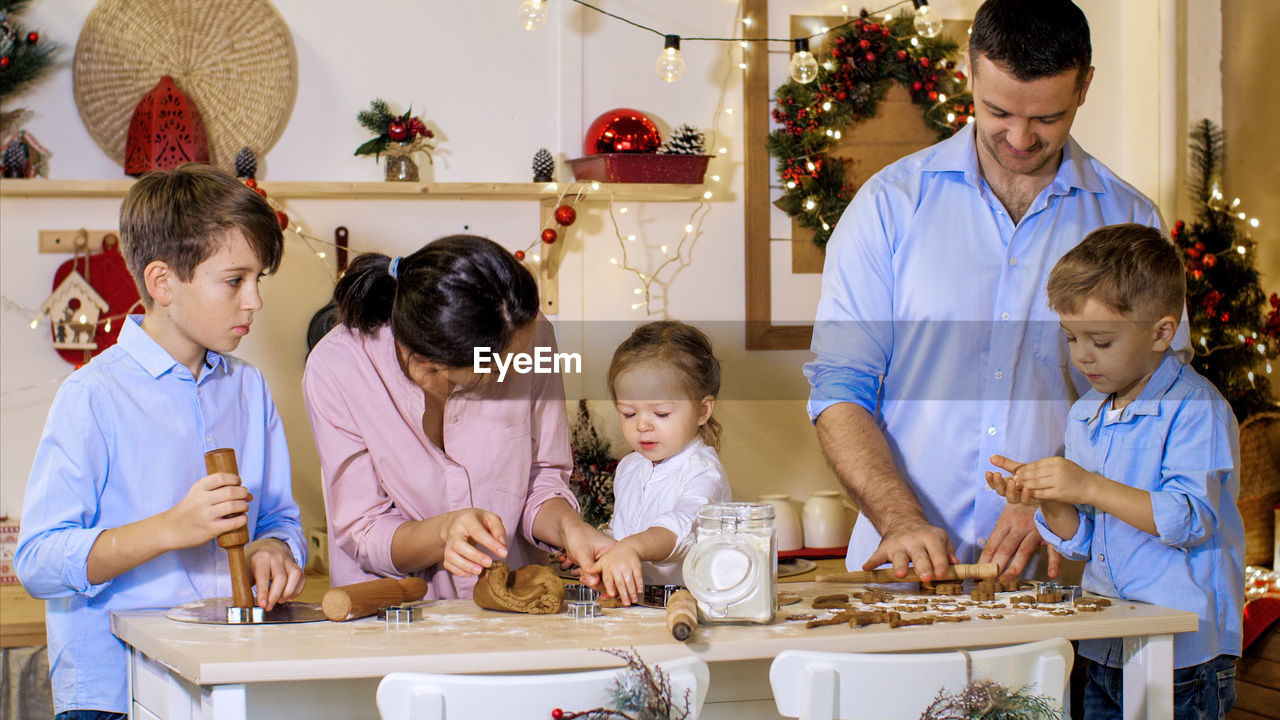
557	713
621	130
250	182
397	130
902	54
871	57
283	219
924	62
933	95
917	85
519	255
565	215
260	191
550	235
864	43
33	37
1210	259
4	62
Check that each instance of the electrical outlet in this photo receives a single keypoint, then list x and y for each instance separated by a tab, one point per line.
65	241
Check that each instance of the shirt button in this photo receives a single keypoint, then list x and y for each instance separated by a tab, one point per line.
1013	261
982	541
1004	316
1101	557
991	431
999	374
208	439
453	420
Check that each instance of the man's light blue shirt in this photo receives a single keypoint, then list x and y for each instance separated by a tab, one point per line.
125	440
1179	442
929	284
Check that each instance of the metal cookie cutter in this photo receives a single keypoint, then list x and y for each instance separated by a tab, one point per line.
656	596
397	616
581	601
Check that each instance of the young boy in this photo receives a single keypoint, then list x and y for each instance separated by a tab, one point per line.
119	513
1147	490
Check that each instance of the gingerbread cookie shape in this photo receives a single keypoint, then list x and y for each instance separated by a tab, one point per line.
533	589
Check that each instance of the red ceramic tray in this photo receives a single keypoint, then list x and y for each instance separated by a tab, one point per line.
814	553
641	168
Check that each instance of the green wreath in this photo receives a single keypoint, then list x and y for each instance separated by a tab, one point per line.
865	58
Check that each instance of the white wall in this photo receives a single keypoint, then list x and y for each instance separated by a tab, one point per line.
494	93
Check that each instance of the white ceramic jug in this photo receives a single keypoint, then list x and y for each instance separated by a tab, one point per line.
827	523
786	520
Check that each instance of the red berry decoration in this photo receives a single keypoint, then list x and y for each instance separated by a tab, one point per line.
550	235
924	62
871	57
902	54
519	255
250	182
565	215
4	62
917	86
864	43
33	37
933	95
260	191
397	130
557	713
283	219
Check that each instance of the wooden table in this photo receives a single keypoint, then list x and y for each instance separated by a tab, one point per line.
181	670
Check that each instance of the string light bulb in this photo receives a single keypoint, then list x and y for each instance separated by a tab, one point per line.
804	67
670	61
928	22
532	14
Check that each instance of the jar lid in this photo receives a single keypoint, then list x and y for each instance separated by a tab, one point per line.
736	510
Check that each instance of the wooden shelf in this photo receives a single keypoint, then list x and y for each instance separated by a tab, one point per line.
634	192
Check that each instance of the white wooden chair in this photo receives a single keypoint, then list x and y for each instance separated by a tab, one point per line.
421	696
891	686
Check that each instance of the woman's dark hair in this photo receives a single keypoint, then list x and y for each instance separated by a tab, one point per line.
1032	39
455	294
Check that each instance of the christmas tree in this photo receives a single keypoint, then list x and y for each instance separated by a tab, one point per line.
593	467
22	56
1235	338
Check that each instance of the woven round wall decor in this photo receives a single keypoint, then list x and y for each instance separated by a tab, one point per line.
234	58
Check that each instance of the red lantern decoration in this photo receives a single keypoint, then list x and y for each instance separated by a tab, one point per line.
622	131
565	215
165	132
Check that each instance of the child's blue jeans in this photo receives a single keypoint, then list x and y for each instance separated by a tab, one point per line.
1200	692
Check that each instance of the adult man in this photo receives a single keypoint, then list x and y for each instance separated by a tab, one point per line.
934	344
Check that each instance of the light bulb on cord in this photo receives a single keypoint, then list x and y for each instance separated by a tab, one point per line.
670	62
928	22
803	67
532	14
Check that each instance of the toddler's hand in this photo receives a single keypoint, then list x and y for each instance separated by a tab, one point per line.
202	514
620	572
275	574
1051	478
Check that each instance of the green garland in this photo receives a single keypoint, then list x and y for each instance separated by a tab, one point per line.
22	60
865	58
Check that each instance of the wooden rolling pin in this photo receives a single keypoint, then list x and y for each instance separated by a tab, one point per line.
223	460
682	615
362	599
954	572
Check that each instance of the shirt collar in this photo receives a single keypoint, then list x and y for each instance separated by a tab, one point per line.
959	153
1148	400
147	352
676	460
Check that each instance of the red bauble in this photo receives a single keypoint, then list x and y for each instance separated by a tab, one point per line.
250	182
165	131
864	43
33	37
397	130
1210	260
933	95
557	714
565	215
917	85
902	54
283	219
260	191
519	255
622	130
549	235
4	62
871	57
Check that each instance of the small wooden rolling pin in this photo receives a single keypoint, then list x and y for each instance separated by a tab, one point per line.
362	599
682	615
223	460
954	572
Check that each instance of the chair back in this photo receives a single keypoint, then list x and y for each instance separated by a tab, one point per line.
423	696
893	686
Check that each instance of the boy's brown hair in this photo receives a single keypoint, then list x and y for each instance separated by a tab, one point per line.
181	217
1131	268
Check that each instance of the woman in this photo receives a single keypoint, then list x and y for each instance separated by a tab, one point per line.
429	467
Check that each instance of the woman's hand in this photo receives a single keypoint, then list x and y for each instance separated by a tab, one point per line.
460	534
584	546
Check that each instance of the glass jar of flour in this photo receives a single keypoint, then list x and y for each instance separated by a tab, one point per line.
732	568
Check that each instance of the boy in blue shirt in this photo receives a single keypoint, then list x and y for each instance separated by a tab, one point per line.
119	513
1147	490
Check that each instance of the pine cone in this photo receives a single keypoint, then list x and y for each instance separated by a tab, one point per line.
15	159
543	166
684	140
246	163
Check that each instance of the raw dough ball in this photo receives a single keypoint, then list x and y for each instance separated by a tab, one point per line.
534	589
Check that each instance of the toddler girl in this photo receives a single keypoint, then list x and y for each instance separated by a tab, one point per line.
664	380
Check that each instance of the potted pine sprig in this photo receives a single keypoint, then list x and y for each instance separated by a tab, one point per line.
398	136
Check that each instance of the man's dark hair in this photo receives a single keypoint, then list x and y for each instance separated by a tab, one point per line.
1032	39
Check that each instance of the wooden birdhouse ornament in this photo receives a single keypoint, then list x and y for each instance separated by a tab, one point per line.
165	132
74	307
